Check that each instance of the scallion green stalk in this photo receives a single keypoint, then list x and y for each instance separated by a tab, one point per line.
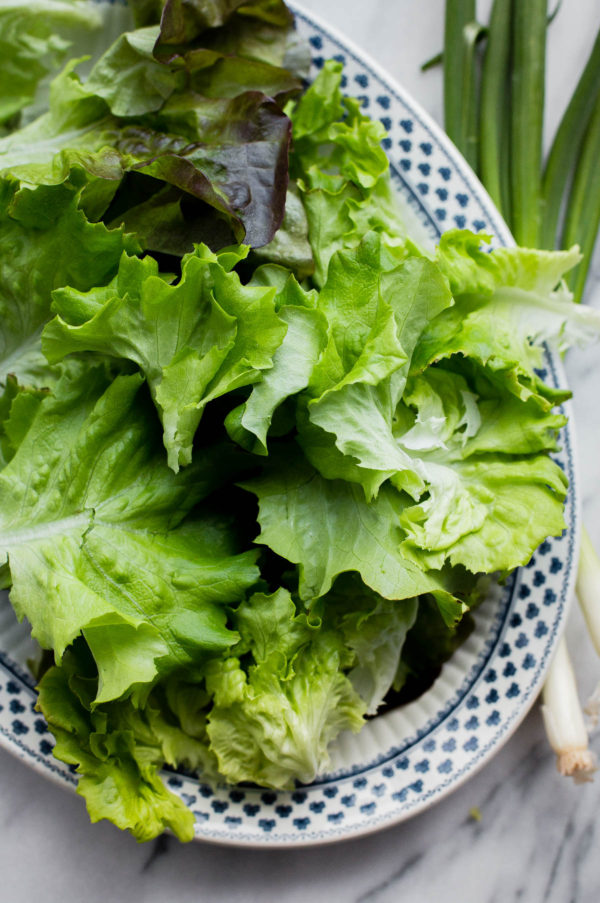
527	97
460	82
582	218
566	145
438	59
563	719
495	109
432	62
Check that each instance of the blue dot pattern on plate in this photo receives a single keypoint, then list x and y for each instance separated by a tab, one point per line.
442	193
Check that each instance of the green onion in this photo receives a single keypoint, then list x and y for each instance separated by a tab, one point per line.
460	83
511	133
588	588
554	12
582	218
563	719
438	59
528	73
432	62
566	144
495	111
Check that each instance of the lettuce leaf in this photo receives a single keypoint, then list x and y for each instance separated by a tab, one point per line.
376	310
118	750
240	144
194	341
508	303
327	528
182	22
18	407
94	528
342	171
293	362
80	131
34	40
169	221
235	44
129	78
273	719
490	499
374	630
488	513
39	228
290	246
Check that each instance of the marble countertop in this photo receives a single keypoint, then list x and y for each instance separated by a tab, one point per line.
536	838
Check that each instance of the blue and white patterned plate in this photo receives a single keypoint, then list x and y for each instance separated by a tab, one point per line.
405	760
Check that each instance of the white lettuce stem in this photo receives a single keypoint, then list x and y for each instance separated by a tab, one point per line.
563	718
588	587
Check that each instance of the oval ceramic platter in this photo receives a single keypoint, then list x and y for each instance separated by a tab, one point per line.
404	760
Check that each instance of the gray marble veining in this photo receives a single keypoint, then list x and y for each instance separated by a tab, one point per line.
537	837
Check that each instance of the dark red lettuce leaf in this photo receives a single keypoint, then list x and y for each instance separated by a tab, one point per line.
230	76
238	163
182	21
171	222
229	153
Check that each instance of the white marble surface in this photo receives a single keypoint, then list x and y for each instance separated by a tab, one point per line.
536	839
